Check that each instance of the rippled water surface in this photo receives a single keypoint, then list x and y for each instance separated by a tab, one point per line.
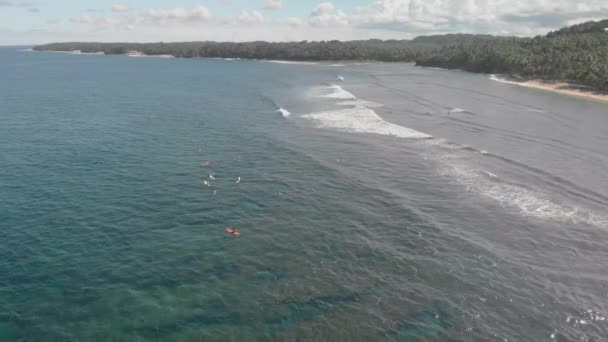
397	204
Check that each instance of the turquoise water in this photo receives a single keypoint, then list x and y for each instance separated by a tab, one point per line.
351	229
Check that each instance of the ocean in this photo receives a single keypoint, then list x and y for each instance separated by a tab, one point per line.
374	201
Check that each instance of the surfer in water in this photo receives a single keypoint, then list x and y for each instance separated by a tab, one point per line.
232	231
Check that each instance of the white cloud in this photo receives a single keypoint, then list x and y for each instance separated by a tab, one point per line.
200	12
291	21
177	15
18	4
323	8
120	8
89	19
163	14
489	16
326	14
273	5
248	18
394	19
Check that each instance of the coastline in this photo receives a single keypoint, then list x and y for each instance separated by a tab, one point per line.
563	88
556	87
139	54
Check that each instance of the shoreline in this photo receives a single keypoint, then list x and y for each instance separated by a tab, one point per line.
556	87
138	54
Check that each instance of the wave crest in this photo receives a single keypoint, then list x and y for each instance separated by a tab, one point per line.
362	120
339	93
284	112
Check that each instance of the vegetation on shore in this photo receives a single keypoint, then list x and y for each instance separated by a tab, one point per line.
576	54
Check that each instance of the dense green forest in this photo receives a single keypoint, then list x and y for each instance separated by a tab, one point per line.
577	54
300	51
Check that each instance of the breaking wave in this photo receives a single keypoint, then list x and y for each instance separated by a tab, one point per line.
362	120
359	118
362	103
339	93
528	202
284	112
290	62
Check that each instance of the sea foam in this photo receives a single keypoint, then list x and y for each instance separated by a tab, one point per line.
457	110
284	112
359	118
362	120
527	201
290	62
339	93
362	103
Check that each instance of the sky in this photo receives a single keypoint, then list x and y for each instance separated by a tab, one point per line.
43	21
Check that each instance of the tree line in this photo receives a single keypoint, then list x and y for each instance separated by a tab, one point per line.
577	54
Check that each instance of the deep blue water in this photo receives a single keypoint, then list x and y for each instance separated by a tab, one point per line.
355	226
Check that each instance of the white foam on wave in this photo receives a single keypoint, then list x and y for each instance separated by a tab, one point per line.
26	50
290	62
490	174
149	56
535	110
497	78
528	202
362	120
494	77
339	93
362	103
441	143
457	110
452	161
337	65
284	112
71	52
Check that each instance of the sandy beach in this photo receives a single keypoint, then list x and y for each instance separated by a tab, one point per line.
558	87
